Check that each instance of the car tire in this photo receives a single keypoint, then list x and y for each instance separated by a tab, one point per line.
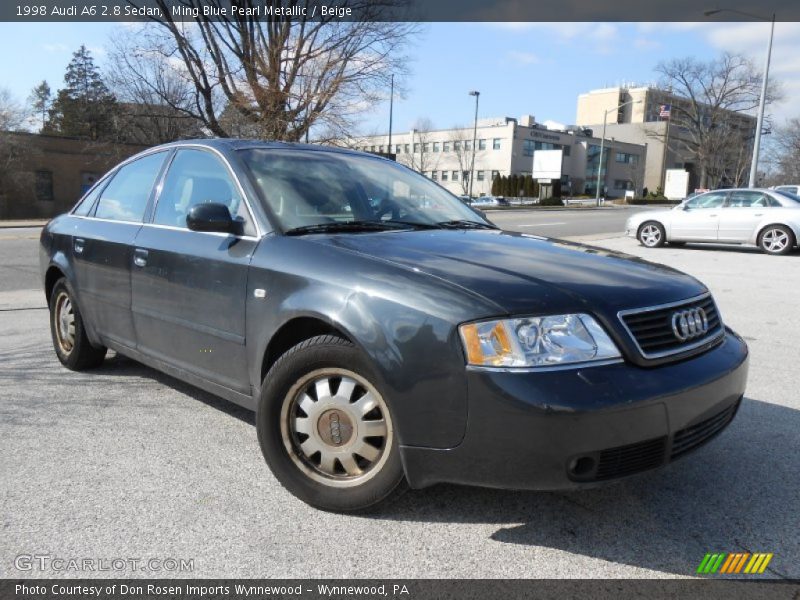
651	234
776	239
325	429
72	346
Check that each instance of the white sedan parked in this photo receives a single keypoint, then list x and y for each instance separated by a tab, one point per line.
769	219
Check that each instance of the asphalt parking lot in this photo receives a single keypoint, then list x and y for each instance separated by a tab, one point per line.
125	462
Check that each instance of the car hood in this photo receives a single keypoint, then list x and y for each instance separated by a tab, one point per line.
522	273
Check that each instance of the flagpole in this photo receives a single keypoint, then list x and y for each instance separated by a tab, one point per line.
666	150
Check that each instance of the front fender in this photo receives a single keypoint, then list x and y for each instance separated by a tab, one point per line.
404	322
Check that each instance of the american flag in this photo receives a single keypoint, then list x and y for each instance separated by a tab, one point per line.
665	111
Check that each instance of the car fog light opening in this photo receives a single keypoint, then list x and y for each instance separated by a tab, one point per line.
537	341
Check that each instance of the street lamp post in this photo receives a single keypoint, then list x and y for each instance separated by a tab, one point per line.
603	144
763	100
477	95
391	111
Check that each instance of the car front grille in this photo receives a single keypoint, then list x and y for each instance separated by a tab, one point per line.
630	459
652	328
691	437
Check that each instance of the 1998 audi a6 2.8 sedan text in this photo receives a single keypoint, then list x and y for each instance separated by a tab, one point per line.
385	334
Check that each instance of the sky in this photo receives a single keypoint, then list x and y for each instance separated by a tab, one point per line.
519	68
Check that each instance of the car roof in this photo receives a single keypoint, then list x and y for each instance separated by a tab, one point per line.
232	144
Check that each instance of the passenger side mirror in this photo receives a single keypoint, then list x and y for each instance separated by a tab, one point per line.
214	217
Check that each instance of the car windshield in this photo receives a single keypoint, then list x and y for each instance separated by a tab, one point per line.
315	192
789	195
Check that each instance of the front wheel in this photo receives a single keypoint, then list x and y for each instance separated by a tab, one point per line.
652	234
776	239
326	430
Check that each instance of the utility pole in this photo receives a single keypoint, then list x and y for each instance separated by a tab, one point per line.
477	95
391	110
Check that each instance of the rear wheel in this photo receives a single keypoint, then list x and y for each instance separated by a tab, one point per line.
652	234
776	239
70	342
326	430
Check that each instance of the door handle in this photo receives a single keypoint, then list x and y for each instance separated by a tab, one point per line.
712	215
759	215
79	245
140	257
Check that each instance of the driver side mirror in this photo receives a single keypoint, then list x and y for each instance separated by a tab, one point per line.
213	217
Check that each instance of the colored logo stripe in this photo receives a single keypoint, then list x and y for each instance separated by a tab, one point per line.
734	562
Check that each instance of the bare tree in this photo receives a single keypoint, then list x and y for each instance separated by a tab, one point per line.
783	154
12	116
421	158
461	142
155	98
285	75
706	97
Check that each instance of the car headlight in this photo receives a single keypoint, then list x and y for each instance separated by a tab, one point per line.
536	341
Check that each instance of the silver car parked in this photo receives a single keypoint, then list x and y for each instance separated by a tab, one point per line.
769	219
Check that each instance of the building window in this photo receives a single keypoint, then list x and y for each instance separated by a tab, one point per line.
466	175
435	146
567	150
380	148
426	147
623	184
397	149
495	175
44	186
455	175
528	146
480	175
372	148
444	175
426	173
435	175
496	144
467	145
445	146
405	148
416	148
481	144
628	159
456	146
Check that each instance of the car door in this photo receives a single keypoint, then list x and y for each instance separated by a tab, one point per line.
741	215
103	244
698	218
189	287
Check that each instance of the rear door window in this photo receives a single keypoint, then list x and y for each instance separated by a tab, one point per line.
125	197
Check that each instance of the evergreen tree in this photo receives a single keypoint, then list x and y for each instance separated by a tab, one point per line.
497	186
40	100
514	186
84	107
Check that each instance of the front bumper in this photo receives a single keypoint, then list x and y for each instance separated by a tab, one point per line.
574	428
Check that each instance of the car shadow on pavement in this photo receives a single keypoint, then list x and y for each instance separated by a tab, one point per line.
739	493
117	365
723	248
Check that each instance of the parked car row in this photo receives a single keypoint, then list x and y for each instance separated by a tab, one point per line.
767	218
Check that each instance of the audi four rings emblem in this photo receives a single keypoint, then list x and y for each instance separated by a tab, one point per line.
689	324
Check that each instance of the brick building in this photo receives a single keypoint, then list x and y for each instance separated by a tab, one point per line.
42	176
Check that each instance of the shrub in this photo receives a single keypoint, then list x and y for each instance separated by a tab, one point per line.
551	202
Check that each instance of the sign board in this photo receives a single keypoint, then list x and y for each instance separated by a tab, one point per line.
547	164
676	184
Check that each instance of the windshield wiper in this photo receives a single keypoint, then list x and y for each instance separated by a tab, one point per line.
464	224
345	226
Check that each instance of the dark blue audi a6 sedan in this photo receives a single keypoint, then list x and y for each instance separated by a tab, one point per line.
387	335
